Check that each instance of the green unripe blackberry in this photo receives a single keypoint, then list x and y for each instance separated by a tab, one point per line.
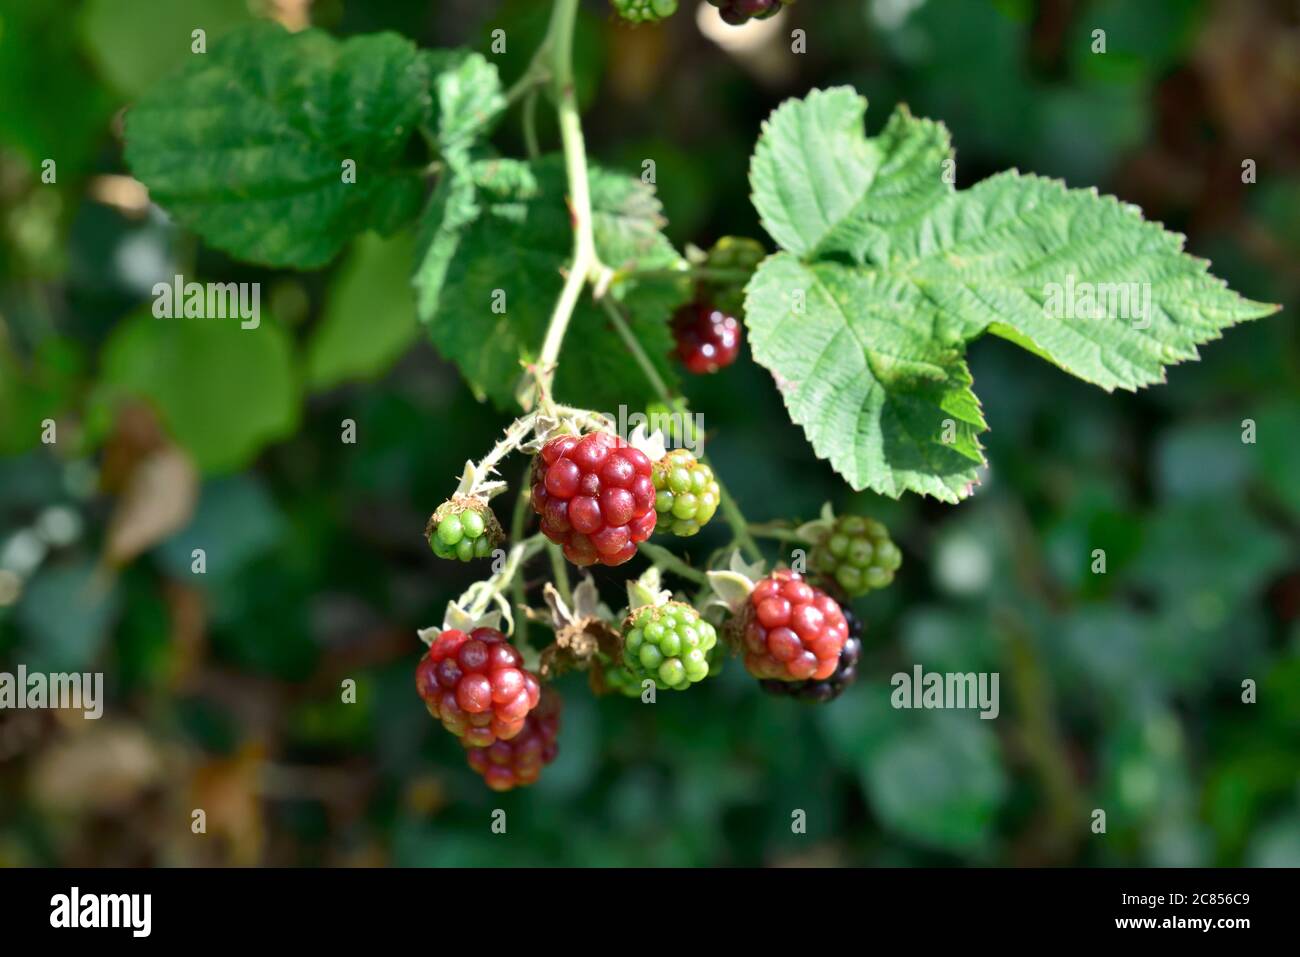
644	11
669	644
857	554
686	493
463	529
619	679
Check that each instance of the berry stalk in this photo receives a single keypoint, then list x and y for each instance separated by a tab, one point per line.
666	560
730	510
586	265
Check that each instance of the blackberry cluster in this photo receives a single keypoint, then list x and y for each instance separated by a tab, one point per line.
791	631
857	554
463	529
668	643
737	12
686	493
476	686
828	689
644	11
519	761
595	497
708	339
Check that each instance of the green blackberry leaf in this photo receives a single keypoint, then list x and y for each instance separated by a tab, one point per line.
888	271
247	143
496	237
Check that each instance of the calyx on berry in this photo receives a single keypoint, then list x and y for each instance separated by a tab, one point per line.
686	493
583	633
464	528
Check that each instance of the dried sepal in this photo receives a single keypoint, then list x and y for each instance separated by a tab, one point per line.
581	632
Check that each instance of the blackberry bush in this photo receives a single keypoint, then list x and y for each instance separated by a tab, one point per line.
867	362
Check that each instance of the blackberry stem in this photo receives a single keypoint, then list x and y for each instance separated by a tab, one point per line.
716	274
560	572
557	48
777	532
518	594
730	510
669	562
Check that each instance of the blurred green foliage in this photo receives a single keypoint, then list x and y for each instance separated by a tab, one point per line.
1120	691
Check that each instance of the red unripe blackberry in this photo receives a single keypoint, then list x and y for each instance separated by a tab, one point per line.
707	338
828	689
595	497
476	686
791	631
519	761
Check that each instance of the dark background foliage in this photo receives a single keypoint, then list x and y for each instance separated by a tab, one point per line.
1120	691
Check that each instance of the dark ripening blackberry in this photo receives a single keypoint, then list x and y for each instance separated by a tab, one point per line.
519	761
707	338
595	497
737	12
830	688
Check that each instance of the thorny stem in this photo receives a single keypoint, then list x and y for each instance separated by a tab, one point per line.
518	594
481	595
717	274
586	265
516	433
730	510
530	125
666	559
776	532
560	572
